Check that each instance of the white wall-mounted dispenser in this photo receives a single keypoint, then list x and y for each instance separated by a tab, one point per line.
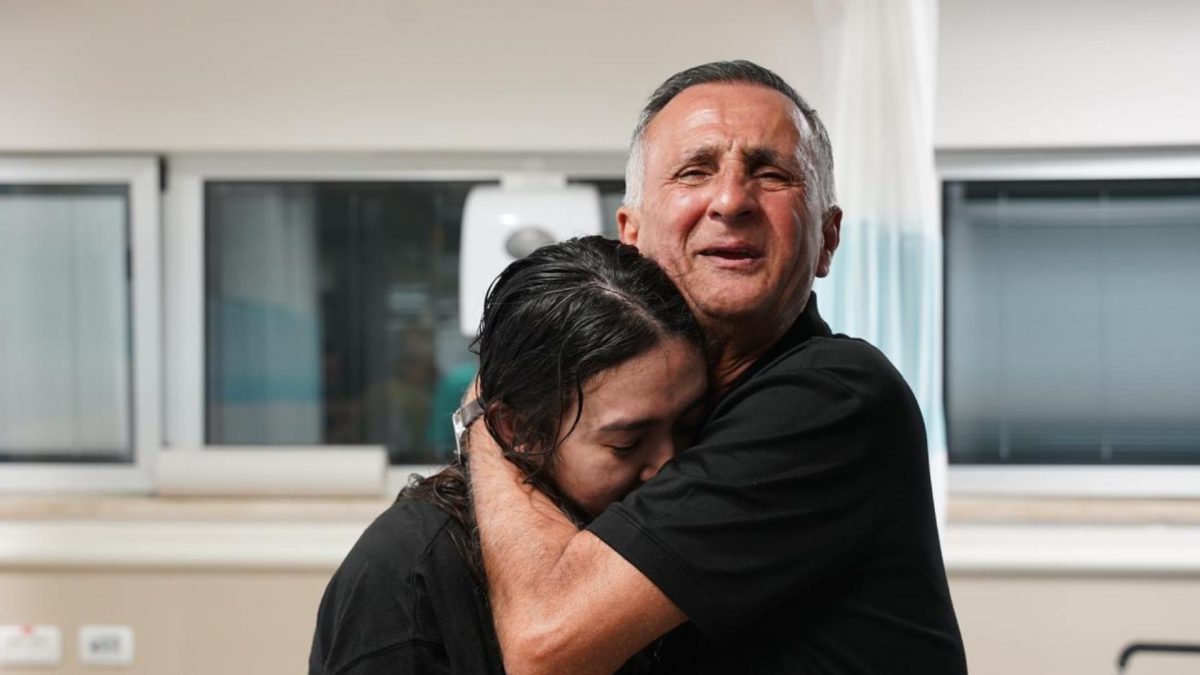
506	222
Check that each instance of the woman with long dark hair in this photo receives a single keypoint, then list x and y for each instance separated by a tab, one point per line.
591	377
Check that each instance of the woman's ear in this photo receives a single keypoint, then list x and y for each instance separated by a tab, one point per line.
500	419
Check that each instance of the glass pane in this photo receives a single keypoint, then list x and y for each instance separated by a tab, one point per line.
1073	322
65	350
332	314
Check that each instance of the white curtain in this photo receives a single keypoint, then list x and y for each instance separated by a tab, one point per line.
265	378
887	275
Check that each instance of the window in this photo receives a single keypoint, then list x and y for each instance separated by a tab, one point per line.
78	344
331	315
1071	316
329	304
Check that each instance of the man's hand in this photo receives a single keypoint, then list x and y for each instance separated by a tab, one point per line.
562	600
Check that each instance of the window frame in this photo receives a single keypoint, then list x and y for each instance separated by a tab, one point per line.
1161	481
183	245
141	175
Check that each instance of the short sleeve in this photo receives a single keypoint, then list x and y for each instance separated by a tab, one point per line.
775	496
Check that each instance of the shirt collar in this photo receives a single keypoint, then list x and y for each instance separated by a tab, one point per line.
807	326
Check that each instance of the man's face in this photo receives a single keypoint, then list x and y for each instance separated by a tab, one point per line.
724	205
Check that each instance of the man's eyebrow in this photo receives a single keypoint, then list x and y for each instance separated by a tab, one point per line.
754	157
767	157
700	153
648	422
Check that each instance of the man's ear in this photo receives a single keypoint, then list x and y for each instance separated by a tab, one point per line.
628	225
831	236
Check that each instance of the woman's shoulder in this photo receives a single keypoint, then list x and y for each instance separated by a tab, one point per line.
375	608
383	608
402	537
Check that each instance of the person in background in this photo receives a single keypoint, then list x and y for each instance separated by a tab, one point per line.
447	395
591	376
798	534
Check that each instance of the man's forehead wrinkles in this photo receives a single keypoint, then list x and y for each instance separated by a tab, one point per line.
670	122
702	115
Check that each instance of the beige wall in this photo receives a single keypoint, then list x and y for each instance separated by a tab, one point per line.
1063	625
175	75
223	75
1073	73
194	623
184	623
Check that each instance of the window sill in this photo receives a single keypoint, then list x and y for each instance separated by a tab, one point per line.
181	533
184	509
993	535
967	510
1072	536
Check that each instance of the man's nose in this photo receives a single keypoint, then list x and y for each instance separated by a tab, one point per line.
734	199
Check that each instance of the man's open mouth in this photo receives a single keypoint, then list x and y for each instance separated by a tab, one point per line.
732	253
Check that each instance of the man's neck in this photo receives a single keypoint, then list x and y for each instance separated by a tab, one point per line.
736	351
739	344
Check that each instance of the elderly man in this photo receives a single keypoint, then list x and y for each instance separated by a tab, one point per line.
798	535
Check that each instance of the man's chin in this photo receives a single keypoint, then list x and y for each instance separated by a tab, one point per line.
727	310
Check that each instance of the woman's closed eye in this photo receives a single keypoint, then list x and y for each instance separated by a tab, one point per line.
625	447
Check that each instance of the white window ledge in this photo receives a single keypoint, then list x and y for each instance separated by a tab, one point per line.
175	545
181	533
1000	536
1072	549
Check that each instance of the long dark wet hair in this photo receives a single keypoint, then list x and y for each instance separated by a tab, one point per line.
552	321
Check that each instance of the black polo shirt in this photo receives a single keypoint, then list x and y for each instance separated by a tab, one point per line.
798	535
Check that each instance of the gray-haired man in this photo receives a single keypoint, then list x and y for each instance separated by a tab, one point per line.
798	535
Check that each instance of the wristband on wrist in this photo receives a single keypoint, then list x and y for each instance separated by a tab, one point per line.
462	419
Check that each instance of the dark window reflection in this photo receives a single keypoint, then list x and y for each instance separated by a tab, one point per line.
332	314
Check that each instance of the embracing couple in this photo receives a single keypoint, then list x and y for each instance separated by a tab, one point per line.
671	464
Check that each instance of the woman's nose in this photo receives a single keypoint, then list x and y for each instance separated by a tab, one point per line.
662	454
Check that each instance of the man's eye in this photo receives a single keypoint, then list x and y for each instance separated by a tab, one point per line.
693	173
776	176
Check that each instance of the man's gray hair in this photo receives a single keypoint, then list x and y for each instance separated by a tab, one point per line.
819	161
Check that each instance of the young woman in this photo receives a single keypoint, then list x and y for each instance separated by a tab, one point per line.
591	377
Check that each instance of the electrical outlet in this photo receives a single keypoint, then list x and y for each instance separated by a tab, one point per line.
30	645
106	645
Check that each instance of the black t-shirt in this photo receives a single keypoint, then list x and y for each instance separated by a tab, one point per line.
799	535
405	601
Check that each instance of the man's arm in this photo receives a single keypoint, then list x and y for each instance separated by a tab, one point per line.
562	600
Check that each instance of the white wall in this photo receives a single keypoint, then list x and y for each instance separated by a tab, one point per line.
183	75
1068	73
178	75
